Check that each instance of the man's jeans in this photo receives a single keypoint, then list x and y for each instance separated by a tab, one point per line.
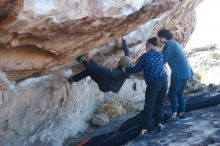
176	94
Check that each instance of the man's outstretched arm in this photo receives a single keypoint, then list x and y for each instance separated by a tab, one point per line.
136	68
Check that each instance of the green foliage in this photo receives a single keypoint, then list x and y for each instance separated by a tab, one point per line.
216	56
197	76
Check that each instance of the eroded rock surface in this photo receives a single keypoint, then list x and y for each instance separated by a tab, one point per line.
47	110
38	38
201	127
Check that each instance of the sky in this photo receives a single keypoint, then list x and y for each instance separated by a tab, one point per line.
207	30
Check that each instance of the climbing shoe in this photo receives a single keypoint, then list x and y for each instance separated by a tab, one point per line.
70	79
81	58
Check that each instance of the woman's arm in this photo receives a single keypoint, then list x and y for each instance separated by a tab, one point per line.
125	47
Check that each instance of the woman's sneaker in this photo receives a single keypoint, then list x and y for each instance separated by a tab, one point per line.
182	116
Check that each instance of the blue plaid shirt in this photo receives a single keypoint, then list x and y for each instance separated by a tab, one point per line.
151	63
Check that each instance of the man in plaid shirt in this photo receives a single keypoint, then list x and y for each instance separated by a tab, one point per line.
151	63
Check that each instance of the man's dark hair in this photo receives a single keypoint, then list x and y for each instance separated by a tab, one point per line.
152	41
165	34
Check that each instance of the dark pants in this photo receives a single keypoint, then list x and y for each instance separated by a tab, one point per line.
107	79
80	75
155	93
93	69
176	94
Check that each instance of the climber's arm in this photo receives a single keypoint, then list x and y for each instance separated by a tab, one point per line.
125	47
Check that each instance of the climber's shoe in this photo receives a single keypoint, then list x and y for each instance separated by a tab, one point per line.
81	58
70	79
181	116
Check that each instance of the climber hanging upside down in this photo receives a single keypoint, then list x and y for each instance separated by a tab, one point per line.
107	79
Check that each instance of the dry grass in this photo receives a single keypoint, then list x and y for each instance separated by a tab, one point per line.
116	107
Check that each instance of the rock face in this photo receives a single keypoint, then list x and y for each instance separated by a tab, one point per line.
43	111
44	36
47	110
206	62
38	38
